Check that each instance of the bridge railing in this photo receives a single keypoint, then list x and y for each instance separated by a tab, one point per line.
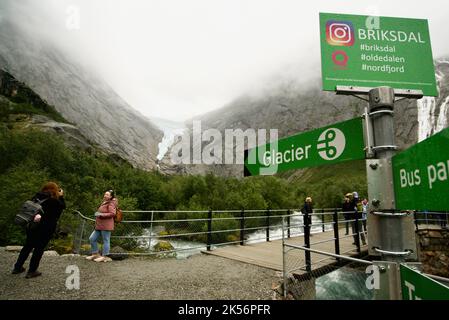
307	278
345	278
187	232
167	232
426	219
332	221
153	232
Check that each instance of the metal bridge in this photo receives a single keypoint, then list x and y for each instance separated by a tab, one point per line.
211	231
303	247
251	236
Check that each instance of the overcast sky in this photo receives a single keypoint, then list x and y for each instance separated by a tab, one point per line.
176	59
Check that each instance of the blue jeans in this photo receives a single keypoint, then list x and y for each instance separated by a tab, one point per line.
106	236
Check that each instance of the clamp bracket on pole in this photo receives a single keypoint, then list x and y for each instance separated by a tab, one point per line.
394	253
403	93
381	112
390	214
385	148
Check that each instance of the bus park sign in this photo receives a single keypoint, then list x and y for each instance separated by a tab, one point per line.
421	175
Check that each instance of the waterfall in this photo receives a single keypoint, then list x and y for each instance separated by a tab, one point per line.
426	117
431	122
168	140
171	129
442	118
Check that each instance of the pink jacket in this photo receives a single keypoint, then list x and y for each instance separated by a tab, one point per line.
105	222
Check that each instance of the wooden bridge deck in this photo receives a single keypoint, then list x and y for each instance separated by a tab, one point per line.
269	254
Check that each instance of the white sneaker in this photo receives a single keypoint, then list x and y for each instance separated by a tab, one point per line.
103	259
93	257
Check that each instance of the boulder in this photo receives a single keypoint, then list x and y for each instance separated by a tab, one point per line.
163	246
51	253
232	238
435	234
425	242
70	255
14	248
118	253
85	249
278	287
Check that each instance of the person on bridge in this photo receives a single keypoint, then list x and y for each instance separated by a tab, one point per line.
308	208
364	213
347	209
357	209
41	229
104	225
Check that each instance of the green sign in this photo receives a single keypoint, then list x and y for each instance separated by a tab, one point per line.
416	286
366	51
421	175
335	143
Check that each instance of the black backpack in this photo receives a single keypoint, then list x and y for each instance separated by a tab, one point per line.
27	212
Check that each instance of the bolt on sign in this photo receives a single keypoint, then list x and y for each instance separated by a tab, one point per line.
421	175
366	51
416	286
328	145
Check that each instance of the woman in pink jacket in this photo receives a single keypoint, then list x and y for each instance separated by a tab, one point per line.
104	225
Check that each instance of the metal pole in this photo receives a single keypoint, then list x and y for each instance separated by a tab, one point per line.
393	233
322	220
447	219
388	233
307	241
415	217
242	227
288	223
81	235
328	254
284	267
357	232
381	106
268	225
151	230
209	229
336	234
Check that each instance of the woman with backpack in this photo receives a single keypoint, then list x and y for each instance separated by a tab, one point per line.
104	225
41	229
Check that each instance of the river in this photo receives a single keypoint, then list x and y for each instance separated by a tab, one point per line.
188	248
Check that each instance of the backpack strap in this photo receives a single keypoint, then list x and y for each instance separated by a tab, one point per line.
40	202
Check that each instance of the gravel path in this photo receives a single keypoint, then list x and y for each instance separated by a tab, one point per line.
198	277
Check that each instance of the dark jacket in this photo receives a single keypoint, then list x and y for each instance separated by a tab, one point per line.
307	207
52	210
357	213
348	210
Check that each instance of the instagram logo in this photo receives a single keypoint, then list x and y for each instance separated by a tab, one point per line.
340	33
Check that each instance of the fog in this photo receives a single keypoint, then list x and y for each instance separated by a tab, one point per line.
176	59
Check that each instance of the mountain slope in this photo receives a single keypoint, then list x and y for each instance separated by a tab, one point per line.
22	110
291	108
82	98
